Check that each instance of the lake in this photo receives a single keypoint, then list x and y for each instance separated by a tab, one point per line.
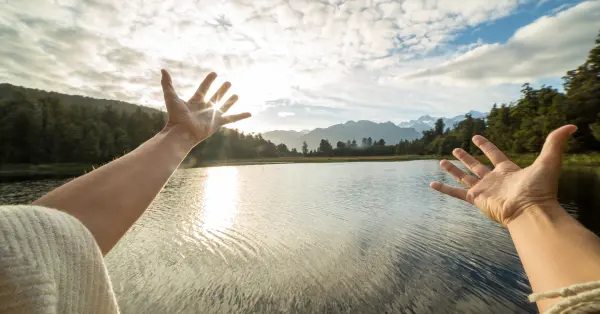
363	237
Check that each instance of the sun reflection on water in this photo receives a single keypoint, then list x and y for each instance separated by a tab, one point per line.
219	204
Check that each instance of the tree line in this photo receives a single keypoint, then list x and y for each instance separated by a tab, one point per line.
366	147
40	131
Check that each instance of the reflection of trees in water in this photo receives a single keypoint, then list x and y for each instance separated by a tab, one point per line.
23	192
459	275
579	192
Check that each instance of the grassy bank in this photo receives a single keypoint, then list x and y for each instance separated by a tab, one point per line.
27	171
571	160
293	160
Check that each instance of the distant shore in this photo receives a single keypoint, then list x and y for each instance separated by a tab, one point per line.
294	160
31	172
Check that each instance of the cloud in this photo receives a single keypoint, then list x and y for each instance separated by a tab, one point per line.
284	114
313	38
541	3
561	7
351	56
545	48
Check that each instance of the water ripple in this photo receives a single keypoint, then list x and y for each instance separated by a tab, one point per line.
361	237
316	238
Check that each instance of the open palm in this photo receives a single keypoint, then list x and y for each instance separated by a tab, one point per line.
199	117
505	192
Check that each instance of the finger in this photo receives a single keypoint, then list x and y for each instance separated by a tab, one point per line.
495	155
203	89
475	166
449	190
554	146
220	93
468	180
229	103
167	86
235	117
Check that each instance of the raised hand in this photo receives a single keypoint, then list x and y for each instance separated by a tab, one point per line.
199	117
507	191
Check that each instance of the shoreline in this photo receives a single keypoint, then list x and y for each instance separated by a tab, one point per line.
20	172
311	160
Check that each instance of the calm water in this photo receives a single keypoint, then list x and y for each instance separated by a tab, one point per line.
319	238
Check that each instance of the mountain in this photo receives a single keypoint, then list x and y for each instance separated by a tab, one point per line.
289	138
427	122
351	130
9	92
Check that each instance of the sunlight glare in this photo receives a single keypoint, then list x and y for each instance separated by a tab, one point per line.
220	197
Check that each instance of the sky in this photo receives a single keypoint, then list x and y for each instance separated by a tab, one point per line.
300	64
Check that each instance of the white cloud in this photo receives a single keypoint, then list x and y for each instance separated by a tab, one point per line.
284	114
541	2
343	55
545	48
561	7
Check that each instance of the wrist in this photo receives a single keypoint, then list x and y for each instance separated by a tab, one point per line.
180	135
550	212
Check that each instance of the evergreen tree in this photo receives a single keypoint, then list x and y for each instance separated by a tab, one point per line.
325	147
439	127
282	150
304	148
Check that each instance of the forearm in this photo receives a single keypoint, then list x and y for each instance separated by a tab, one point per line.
555	249
111	198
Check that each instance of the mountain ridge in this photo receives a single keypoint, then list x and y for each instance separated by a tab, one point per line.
348	131
427	122
351	130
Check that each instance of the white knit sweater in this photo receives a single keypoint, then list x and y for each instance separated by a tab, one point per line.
50	263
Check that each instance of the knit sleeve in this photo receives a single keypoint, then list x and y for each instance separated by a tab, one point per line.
50	263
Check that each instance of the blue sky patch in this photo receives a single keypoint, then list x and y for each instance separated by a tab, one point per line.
499	31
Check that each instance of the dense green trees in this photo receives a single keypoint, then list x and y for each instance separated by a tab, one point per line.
522	126
325	148
232	144
47	131
441	141
350	148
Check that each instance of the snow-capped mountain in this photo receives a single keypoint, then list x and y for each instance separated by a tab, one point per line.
427	122
356	130
351	130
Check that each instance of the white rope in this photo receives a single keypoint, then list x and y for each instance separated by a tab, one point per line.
577	299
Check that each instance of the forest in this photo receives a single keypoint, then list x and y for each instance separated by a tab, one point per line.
40	128
40	131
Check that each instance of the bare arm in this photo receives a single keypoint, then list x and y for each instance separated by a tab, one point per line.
555	250
111	198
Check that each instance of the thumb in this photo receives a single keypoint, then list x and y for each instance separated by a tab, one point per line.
554	146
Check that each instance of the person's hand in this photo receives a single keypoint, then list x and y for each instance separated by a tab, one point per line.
507	191
197	116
